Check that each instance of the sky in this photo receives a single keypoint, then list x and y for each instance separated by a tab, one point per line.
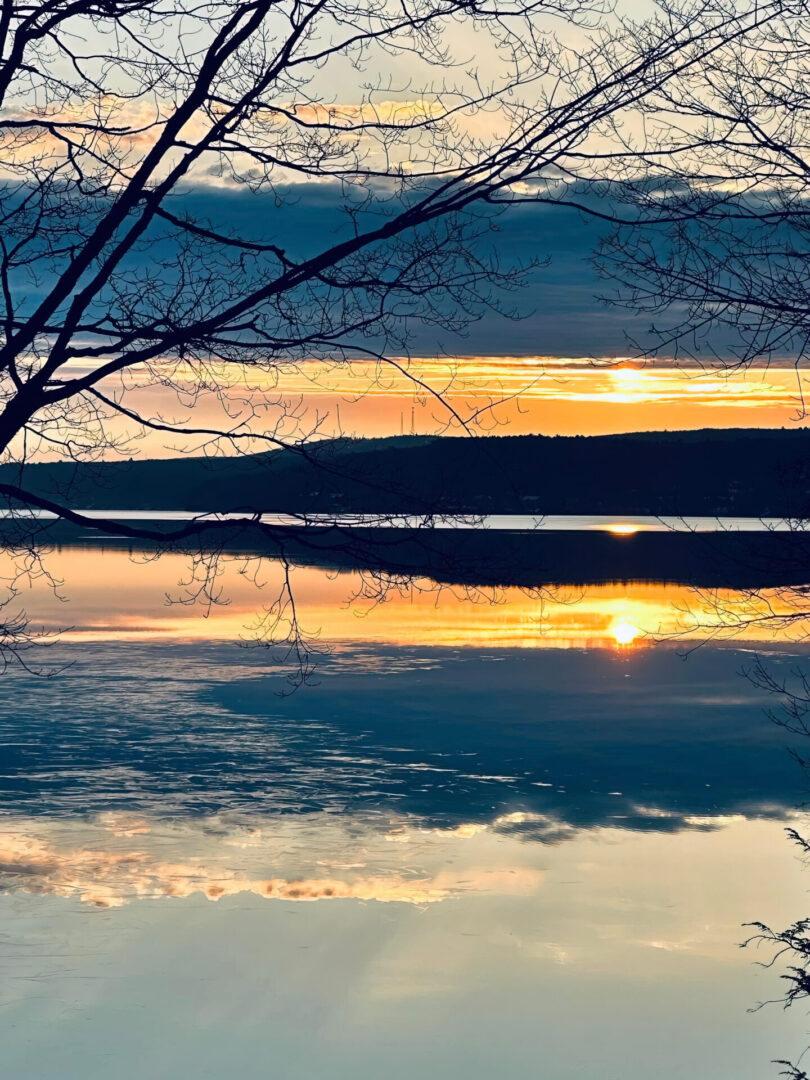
537	360
567	365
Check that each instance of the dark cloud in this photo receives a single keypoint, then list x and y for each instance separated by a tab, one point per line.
560	310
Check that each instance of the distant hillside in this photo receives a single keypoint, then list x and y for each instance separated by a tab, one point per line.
736	472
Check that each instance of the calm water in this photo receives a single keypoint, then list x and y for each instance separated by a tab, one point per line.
519	835
496	522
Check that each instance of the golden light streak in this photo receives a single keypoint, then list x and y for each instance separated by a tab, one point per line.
112	596
497	395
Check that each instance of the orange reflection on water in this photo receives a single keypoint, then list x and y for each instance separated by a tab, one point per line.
625	632
112	595
622	528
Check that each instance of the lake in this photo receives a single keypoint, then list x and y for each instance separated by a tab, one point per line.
500	830
620	526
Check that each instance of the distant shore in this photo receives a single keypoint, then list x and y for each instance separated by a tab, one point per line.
729	472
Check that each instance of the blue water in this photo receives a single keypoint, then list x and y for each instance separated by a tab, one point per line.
450	861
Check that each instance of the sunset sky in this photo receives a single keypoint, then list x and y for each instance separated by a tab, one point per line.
558	360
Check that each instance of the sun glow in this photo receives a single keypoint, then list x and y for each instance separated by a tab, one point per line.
526	395
625	632
622	528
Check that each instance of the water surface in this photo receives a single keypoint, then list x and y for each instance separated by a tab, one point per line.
455	852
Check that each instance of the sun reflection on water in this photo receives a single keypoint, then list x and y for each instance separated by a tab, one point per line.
625	632
622	528
114	596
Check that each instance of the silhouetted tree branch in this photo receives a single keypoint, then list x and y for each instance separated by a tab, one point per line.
716	249
108	277
112	113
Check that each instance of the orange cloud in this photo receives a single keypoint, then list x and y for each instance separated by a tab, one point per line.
32	861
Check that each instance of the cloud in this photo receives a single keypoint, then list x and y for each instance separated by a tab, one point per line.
74	860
